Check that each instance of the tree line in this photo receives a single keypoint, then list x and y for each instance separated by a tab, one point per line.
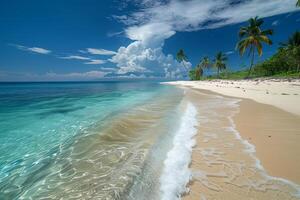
252	38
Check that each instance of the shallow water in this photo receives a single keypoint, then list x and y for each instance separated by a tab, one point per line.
84	140
125	140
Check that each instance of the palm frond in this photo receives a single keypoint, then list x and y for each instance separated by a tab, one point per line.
252	36
267	32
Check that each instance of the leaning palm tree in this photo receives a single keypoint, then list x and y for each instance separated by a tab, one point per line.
205	63
252	37
220	62
182	58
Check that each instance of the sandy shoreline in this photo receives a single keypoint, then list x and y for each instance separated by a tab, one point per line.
276	136
274	132
281	94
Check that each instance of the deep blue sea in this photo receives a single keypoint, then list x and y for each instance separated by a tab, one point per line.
55	133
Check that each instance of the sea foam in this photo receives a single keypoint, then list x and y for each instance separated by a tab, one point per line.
176	173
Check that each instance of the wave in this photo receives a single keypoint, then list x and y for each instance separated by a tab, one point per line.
176	173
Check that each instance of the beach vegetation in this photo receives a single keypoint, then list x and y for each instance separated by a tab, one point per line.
252	37
205	63
284	63
181	56
285	60
198	72
220	62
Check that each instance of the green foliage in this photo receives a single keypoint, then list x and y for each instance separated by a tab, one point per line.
285	63
180	56
192	75
298	3
285	60
219	62
252	37
196	74
205	63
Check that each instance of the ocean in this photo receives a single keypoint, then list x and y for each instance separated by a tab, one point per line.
126	141
87	140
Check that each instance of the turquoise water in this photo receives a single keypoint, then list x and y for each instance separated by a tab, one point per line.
41	123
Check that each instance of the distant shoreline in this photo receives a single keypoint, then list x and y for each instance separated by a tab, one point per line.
281	93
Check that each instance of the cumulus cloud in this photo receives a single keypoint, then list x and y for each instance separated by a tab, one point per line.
158	20
139	58
100	51
32	49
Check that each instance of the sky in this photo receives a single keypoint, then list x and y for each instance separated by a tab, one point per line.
86	40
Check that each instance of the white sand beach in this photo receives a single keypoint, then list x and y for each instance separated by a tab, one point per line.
247	144
279	93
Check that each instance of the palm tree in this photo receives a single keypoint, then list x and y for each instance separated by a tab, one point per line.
198	72
205	63
294	40
180	56
293	45
298	3
252	37
219	62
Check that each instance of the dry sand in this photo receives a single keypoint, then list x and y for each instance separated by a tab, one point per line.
276	136
279	93
225	167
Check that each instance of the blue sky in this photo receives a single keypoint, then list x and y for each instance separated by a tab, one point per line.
93	40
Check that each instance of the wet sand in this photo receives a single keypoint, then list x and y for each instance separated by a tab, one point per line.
276	136
225	166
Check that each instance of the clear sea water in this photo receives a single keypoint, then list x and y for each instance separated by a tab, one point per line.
82	140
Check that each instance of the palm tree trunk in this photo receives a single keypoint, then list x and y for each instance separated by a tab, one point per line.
252	62
218	72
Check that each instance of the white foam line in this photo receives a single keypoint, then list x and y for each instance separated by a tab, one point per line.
176	173
250	148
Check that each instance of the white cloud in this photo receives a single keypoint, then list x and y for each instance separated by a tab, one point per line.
100	51
157	21
76	75
39	50
95	62
75	57
52	76
139	58
89	61
110	69
32	49
229	52
166	18
112	34
275	23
